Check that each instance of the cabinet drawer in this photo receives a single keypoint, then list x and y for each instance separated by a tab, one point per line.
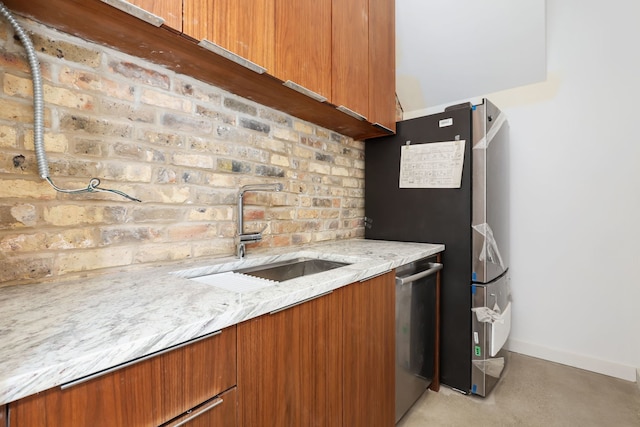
217	412
150	392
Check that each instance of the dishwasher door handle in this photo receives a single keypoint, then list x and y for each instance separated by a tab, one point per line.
433	268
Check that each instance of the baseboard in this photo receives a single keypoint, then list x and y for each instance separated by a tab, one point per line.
604	367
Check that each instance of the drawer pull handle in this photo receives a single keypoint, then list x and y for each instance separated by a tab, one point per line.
374	276
299	302
231	56
136	11
303	90
195	413
384	128
351	113
134	361
433	268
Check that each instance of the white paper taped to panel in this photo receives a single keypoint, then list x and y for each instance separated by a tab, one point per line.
433	165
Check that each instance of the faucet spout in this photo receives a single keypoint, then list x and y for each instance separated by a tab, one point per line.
242	237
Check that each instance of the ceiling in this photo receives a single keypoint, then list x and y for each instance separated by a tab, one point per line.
448	51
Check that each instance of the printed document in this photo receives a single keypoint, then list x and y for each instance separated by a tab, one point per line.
433	165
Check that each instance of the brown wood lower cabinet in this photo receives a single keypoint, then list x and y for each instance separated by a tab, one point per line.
147	393
290	366
3	413
326	362
369	352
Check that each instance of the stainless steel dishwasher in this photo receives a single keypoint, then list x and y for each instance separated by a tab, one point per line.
416	330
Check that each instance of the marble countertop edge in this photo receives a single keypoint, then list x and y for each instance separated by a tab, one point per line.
150	326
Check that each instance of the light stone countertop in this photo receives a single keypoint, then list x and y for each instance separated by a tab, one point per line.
53	333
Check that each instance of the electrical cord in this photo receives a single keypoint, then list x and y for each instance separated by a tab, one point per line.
38	114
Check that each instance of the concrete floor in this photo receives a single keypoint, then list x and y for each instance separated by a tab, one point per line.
534	393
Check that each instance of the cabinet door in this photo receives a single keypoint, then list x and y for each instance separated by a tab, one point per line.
244	27
170	10
303	44
382	63
350	55
290	366
3	413
149	392
369	352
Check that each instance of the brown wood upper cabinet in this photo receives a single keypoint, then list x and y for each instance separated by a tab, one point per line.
350	56
341	50
382	64
291	40
169	10
303	44
244	27
363	59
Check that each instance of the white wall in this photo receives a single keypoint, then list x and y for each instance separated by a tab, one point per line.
576	192
452	49
575	170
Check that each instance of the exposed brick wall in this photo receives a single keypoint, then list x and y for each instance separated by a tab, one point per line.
181	146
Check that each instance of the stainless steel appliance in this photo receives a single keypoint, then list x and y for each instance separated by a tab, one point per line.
416	340
457	196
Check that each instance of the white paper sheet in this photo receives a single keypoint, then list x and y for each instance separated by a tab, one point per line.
434	165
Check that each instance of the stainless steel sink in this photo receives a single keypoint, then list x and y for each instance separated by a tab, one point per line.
286	270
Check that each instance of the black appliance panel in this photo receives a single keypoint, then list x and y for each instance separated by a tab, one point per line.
432	216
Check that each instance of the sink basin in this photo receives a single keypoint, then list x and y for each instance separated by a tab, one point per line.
236	278
286	270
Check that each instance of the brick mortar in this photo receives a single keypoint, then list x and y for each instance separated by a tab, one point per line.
189	209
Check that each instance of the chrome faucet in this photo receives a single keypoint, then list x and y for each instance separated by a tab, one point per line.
250	237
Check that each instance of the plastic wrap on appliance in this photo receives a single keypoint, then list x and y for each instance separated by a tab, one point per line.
500	325
484	142
491	367
488	315
490	251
